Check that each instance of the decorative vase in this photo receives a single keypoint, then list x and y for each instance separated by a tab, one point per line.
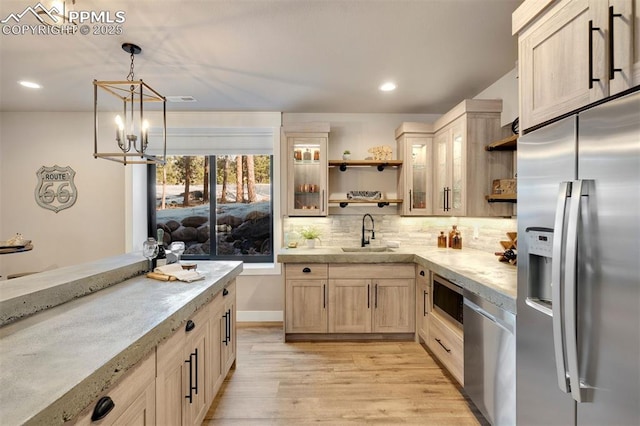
346	156
311	243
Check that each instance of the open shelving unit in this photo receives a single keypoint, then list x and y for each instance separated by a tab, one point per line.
509	143
380	165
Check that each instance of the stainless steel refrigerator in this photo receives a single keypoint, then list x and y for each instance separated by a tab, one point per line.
578	309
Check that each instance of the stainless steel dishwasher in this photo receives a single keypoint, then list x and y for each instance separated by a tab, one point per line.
490	359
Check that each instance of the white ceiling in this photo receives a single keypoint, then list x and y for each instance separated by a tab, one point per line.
270	55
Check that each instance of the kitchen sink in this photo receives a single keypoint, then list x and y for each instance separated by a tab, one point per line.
367	249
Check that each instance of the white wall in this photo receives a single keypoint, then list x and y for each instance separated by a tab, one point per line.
506	88
93	227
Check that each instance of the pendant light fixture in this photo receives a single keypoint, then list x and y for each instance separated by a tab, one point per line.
129	124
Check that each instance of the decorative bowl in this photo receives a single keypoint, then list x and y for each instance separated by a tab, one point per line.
364	195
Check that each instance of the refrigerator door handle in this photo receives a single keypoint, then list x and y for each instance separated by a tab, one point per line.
579	189
556	286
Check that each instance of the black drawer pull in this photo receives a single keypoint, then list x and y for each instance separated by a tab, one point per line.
102	408
306	270
190	326
422	273
443	346
225	292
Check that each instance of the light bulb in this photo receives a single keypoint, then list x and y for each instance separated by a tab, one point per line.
119	123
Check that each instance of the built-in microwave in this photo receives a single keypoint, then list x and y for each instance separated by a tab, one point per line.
447	299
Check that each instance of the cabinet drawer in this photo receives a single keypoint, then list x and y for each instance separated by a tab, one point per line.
448	346
301	271
133	397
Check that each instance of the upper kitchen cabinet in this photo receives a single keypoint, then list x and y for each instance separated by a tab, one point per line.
305	151
462	171
573	53
415	149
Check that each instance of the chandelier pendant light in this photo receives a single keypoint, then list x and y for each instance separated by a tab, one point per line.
131	127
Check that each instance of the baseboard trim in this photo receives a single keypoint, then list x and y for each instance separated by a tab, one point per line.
259	316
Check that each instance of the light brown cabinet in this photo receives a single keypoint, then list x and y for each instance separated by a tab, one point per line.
423	303
415	149
132	399
306	298
573	53
349	298
463	172
194	361
182	364
306	168
446	342
365	298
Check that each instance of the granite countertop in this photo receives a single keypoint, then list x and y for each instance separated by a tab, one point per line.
477	271
56	362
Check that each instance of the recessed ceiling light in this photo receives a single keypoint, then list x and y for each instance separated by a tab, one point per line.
388	87
30	84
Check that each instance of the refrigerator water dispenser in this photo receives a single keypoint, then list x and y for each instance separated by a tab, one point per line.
540	244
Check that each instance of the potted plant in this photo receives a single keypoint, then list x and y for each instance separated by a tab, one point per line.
310	234
346	154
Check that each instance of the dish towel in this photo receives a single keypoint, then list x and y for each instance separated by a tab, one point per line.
175	270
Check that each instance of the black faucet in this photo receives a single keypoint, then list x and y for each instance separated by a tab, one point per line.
372	230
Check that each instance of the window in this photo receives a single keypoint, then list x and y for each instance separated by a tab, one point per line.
220	206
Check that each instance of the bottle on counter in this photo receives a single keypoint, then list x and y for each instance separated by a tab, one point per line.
442	240
452	233
457	241
161	258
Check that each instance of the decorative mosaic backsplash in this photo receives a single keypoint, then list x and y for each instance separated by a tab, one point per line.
346	230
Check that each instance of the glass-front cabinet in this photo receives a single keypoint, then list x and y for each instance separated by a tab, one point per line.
415	149
306	154
449	182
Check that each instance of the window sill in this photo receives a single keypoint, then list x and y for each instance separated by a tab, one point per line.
261	269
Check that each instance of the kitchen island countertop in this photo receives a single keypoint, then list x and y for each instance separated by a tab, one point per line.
477	271
56	362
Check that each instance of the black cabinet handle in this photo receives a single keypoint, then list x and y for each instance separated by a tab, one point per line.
229	326
195	355
190	326
424	303
376	297
324	296
190	396
225	292
225	328
368	296
102	408
591	30
443	346
410	202
306	270
612	68
422	273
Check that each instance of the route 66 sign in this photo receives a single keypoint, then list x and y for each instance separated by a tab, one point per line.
56	190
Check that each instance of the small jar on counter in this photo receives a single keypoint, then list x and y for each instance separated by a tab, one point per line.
442	240
452	233
457	241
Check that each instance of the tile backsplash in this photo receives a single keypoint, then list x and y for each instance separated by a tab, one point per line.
346	230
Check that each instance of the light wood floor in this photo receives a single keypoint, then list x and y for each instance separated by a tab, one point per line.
278	383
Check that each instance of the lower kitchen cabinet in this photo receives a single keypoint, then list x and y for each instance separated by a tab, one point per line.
131	401
371	298
181	369
306	298
363	299
423	303
228	329
446	342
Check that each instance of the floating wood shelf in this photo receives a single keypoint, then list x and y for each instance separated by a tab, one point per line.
506	144
380	164
381	203
502	198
